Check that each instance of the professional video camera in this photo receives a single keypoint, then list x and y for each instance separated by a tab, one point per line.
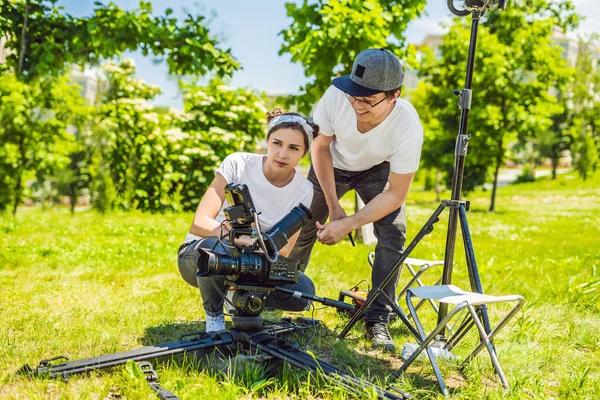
251	272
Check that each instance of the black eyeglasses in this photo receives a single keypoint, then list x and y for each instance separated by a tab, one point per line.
353	100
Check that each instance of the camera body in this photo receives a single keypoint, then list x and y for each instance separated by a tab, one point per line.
251	272
248	269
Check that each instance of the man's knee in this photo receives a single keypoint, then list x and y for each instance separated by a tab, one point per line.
391	230
284	301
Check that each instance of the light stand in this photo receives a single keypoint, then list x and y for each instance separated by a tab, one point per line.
457	207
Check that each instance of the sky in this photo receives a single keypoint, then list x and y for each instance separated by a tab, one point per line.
250	29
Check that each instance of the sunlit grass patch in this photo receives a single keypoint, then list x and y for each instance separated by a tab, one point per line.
89	284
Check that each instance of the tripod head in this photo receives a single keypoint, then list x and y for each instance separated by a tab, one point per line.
476	6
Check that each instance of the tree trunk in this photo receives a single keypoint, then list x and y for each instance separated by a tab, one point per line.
19	184
499	157
19	71
72	198
494	187
23	39
554	167
17	194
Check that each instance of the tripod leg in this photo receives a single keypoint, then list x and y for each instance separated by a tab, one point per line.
111	360
427	228
200	341
472	265
290	352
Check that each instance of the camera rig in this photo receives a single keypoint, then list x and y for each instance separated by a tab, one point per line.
252	275
252	270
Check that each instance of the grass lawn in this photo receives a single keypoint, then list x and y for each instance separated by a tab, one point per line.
88	285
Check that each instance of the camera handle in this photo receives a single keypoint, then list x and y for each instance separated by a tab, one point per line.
262	242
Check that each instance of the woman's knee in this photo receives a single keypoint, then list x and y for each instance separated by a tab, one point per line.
187	269
187	262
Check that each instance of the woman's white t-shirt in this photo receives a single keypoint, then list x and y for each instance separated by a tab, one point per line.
397	139
272	202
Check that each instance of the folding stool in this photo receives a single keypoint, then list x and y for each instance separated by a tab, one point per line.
411	264
451	294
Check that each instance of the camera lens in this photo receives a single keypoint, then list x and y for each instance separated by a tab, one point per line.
210	263
281	232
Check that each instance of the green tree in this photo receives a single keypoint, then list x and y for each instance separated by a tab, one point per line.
326	36
554	142
586	153
165	160
217	120
43	41
515	67
585	108
33	130
131	136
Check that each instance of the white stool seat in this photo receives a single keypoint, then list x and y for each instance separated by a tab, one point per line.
451	294
419	263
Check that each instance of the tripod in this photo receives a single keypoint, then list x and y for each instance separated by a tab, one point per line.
249	338
457	208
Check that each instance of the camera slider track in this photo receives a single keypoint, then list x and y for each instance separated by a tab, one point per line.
266	341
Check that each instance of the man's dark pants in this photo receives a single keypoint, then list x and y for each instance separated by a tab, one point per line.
390	231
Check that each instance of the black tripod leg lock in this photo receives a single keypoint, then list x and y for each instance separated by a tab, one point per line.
46	363
457	204
152	379
44	367
149	372
194	335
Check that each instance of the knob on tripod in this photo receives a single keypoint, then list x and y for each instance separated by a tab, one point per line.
475	5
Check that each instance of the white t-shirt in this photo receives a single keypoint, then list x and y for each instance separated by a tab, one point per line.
397	139
272	202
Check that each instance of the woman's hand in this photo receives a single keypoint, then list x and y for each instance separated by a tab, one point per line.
244	240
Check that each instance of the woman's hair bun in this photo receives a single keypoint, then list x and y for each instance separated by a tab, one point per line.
276	111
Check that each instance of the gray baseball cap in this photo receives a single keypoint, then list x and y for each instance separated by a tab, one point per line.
374	71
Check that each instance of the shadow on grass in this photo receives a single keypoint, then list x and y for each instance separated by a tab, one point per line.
170	332
320	342
349	354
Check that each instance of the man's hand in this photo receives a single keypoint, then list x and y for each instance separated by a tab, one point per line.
334	231
336	213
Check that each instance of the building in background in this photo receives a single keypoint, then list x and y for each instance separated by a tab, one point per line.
4	52
91	80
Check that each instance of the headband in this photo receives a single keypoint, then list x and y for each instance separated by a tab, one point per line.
287	118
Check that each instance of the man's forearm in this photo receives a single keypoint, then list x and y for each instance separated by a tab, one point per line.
323	165
382	205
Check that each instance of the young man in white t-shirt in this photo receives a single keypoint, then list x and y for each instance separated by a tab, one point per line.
370	140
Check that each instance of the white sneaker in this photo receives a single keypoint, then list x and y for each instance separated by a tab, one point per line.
215	324
438	352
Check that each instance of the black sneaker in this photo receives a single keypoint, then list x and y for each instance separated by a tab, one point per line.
379	335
